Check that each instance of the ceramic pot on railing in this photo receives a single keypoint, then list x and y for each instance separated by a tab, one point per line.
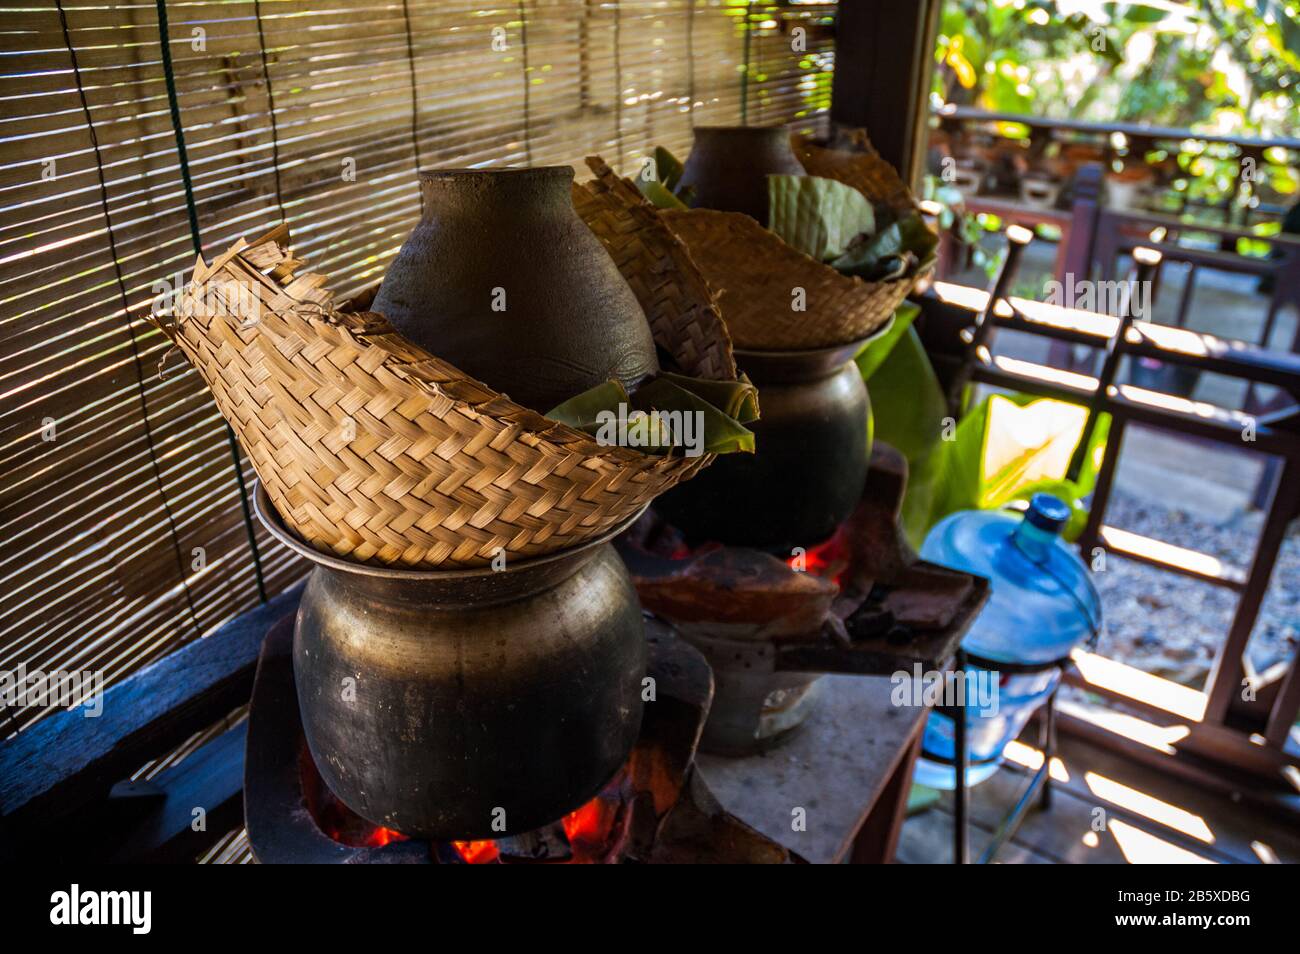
502	279
729	165
436	702
812	446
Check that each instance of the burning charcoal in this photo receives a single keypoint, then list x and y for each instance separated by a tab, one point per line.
869	624
545	844
899	634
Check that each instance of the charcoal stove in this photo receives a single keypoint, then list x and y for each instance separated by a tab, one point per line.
656	809
859	603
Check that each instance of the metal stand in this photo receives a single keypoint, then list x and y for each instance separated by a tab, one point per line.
1040	786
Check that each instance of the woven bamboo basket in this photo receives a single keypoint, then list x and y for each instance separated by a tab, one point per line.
756	273
377	451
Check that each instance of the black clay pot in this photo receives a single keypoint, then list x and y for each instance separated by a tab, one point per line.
812	444
468	704
504	280
729	165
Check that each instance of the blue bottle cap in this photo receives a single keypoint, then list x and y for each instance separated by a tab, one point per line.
1048	513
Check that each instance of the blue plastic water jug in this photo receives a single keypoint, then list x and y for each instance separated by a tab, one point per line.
1041	605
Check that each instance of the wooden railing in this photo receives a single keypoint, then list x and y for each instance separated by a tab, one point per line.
962	126
1246	732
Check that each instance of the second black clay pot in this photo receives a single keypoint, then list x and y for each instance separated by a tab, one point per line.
812	446
729	165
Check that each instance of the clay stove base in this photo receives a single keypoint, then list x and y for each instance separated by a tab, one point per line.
675	817
861	602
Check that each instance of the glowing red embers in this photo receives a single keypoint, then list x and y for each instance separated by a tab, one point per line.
592	834
828	559
477	852
589	828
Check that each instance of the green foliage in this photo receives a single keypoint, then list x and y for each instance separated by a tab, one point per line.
1227	65
819	217
723	407
1005	448
1192	59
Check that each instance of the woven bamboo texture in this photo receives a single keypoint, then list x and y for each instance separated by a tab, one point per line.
377	451
677	300
858	165
762	283
756	275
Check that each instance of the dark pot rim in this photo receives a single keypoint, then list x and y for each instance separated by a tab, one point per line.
805	363
503	172
740	129
271	519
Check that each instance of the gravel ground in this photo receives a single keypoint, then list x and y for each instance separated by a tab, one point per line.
1172	626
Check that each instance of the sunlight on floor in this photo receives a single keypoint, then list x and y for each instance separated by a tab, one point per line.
1140	803
1032	759
1116	677
1143	848
1160	738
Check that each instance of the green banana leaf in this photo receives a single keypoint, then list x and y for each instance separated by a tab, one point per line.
1027	448
595	410
661	189
1005	448
723	433
658	195
669	168
737	399
819	217
889	253
909	410
583	411
875	351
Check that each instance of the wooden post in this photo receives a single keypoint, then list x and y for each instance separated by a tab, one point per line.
1075	257
1148	261
883	64
1226	677
1083	230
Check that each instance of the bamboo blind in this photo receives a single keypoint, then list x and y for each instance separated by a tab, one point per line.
124	527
